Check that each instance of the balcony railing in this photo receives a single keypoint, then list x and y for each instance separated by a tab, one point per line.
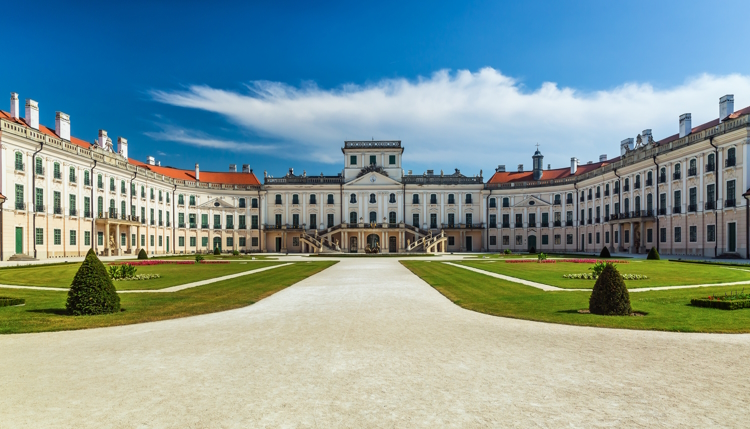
241	226
649	182
39	208
692	207
710	205
676	210
569	201
193	225
589	221
204	225
676	175
545	224
730	203
72	179
730	162
637	185
73	212
557	223
598	195
710	167
662	211
57	175
20	205
161	223
217	226
614	217
87	213
692	172
626	188
20	166
589	197
556	203
40	171
568	223
663	178
582	222
598	220
617	190
606	193
506	224
519	224
181	225
58	210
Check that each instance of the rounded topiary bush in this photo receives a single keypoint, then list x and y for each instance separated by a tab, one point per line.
604	253
217	251
142	254
653	254
92	291
532	249
610	297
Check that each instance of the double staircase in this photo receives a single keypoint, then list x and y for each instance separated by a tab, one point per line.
322	243
429	243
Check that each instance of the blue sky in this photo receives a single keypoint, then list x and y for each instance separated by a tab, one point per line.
466	85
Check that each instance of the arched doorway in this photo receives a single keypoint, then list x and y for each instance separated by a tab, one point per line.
217	243
392	244
532	243
373	244
352	244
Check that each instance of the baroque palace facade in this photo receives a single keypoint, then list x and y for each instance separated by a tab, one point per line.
683	194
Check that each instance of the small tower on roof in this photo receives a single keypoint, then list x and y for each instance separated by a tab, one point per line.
538	158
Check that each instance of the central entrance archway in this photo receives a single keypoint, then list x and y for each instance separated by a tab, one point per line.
373	244
217	243
352	244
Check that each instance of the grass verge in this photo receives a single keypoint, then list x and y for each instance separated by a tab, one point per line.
45	311
666	310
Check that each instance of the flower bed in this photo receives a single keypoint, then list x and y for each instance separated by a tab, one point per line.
592	276
139	277
162	262
572	261
733	301
9	302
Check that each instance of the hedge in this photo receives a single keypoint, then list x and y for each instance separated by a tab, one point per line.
9	302
720	304
92	291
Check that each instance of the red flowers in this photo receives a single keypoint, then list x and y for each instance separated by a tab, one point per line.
162	262
573	261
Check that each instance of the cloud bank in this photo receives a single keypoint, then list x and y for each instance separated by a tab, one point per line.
467	119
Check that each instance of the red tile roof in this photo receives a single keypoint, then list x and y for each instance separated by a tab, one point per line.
175	173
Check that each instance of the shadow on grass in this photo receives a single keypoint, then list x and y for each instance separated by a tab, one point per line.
57	311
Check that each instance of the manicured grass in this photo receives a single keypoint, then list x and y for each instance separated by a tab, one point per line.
534	256
667	310
45	311
660	273
370	255
171	275
222	257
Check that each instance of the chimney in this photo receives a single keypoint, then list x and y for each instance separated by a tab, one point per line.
122	147
32	114
197	173
500	169
158	163
625	146
602	158
14	114
430	172
62	125
549	166
102	141
685	124
232	168
520	168
245	168
646	137
150	160
573	165
726	106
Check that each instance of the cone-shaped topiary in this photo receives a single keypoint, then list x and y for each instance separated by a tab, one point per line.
604	253
610	296
653	254
92	291
217	251
142	254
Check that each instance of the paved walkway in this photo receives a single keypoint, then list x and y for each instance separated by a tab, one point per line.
366	343
549	288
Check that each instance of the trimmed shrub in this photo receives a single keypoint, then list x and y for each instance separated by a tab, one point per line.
8	302
236	252
142	254
653	254
92	291
604	253
217	251
723	305
532	249
507	252
610	296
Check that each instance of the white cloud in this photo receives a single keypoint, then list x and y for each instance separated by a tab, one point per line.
470	120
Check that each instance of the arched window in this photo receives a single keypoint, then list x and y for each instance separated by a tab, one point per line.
38	165
627	182
711	162
353	217
392	217
677	168
86	178
731	160
372	198
353	200
123	211
637	203
627	205
72	175
313	199
637	180
493	204
650	204
415	199
392	198
242	203
433	198
692	168
649	177
181	199
295	199
19	161
100	206
373	217
276	201
56	170
192	200
506	202
451	199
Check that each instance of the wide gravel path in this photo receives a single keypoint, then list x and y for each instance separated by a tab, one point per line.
366	343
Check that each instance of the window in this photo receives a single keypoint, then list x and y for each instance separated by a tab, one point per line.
329	219
451	241
38	165
254	222
451	199
192	241
230	221
204	242
545	239
100	238
433	198
626	236
100	182
352	159
151	194
181	241
192	200
151	240
519	240
451	220
330	199
295	199
57	236
663	235
254	203
598	235
637	204
143	191
493	240
19	161
122	187
242	203
372	198
39	236
677	203
711	233
353	199
373	160
569	239
254	241
277	220
532	220
677	234
230	242
392	217
217	221
606	237
313	221
468	198
86	178
557	239
493	204
692	198
415	219
590	238
87	238
415	199
112	184
693	233
433	220
468	219
617	237
161	237
353	217
392	159
313	199
649	235
730	157
39	200
278	199
392	198
72	175
243	242
493	221
506	240
730	198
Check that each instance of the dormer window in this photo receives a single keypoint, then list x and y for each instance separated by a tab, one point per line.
353	199
372	198
352	159
391	159
373	160
392	200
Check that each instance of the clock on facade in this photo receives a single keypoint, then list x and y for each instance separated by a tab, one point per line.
372	179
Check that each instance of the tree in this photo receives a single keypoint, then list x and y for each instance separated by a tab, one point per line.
217	251
604	253
653	254
92	291
610	296
142	254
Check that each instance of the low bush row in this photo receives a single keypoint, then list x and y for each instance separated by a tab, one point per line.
139	277
573	261
711	302
8	302
162	262
592	276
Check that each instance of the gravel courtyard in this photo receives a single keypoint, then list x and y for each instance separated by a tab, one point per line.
366	343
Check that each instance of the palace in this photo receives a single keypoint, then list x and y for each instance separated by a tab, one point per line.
62	195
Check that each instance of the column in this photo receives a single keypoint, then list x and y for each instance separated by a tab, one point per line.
117	239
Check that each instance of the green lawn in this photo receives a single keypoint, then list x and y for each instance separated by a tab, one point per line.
660	273
222	257
171	275
45	311
666	310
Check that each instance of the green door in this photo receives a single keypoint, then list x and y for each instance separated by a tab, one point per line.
532	243
19	240
278	244
217	243
469	247
732	232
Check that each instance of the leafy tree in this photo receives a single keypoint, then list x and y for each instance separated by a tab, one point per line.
604	253
92	290
610	297
142	254
653	254
217	251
